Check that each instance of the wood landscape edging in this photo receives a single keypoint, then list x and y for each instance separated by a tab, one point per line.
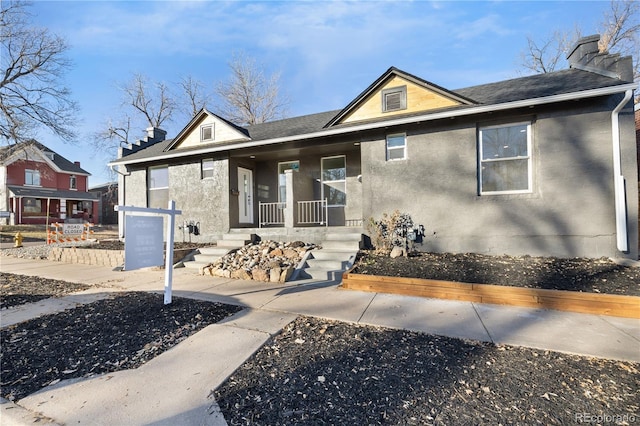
572	301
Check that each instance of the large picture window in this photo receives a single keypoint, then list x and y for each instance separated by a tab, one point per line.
334	180
505	159
158	185
32	205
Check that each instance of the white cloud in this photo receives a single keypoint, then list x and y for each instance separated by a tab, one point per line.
486	25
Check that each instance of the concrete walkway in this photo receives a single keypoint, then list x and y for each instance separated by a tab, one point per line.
175	387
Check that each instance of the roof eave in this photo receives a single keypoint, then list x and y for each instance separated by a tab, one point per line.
473	110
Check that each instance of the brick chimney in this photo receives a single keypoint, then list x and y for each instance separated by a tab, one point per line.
586	56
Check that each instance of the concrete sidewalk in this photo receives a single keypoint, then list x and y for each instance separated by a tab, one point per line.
182	378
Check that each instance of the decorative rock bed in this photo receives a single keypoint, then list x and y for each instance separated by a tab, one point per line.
267	261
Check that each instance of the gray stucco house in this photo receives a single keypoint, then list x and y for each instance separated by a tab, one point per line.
539	165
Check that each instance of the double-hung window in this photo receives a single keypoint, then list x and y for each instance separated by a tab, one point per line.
32	177
207	168
505	159
396	147
334	180
158	187
73	182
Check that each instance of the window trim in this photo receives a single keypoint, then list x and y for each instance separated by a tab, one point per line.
322	181
207	127
391	90
396	148
528	157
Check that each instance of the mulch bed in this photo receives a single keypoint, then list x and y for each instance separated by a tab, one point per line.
573	274
318	371
105	336
20	289
326	372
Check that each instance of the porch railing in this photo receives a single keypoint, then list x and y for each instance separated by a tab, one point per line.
270	214
313	212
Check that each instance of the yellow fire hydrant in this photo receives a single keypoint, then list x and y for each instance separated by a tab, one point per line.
18	239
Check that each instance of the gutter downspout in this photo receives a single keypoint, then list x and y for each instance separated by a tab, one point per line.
619	182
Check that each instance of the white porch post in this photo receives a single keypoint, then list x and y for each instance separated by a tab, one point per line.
63	209
288	211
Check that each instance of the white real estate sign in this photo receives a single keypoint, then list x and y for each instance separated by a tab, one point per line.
144	243
146	239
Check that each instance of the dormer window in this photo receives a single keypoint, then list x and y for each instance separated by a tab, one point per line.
206	133
394	99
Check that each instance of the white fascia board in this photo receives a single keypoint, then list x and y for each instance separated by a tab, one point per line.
592	93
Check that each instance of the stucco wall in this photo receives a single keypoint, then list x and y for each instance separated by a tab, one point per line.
201	200
569	213
136	188
204	201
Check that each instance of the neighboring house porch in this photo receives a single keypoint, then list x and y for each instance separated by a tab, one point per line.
34	206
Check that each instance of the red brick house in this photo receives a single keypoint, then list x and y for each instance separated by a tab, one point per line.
39	186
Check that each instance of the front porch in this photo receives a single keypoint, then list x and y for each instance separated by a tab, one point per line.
318	186
41	206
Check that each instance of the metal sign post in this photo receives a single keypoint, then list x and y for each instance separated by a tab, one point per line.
140	262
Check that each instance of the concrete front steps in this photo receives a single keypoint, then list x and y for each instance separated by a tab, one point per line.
208	255
338	253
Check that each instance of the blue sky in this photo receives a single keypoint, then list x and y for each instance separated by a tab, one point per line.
326	52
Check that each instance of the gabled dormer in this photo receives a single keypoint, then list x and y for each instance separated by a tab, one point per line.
397	93
207	128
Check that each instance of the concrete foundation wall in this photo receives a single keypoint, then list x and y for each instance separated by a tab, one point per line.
570	211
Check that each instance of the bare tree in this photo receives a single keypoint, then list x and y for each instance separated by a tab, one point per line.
32	65
619	33
156	106
194	96
145	105
543	57
249	97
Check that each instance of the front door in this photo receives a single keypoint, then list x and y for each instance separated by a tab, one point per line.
245	198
